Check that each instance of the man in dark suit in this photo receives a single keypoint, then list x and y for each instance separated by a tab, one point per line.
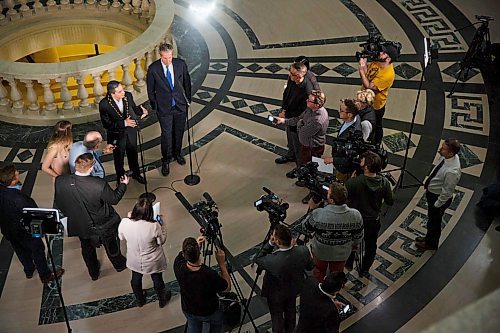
285	273
87	202
120	116
319	310
29	250
169	91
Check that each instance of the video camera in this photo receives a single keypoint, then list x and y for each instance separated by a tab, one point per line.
273	205
41	221
354	146
316	182
374	45
206	213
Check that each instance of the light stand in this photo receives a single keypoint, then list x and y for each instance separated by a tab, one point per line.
476	55
190	179
428	55
39	222
151	197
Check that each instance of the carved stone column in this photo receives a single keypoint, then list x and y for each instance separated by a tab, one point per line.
139	75
67	106
145	10
3	20
64	4
136	4
31	96
24	9
149	58
126	6
51	5
12	14
48	96
15	96
4	97
112	73
115	6
83	95
78	3
90	4
98	89
127	79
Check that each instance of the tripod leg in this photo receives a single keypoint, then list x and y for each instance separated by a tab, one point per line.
246	306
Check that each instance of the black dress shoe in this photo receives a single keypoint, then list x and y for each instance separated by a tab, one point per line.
140	179
292	173
420	239
165	169
423	246
180	160
283	160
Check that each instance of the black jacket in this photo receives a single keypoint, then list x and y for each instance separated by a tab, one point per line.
114	121
12	202
159	91
369	115
342	162
87	202
285	271
318	313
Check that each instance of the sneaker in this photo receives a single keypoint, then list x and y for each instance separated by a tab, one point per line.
52	277
29	275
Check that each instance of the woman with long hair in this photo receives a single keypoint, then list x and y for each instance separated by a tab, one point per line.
145	255
56	162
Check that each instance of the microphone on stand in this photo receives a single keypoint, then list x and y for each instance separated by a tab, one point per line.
190	179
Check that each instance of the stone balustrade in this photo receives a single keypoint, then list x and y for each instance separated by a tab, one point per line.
40	94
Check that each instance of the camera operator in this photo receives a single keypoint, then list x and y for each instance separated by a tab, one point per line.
337	230
364	102
30	250
88	202
285	273
297	90
199	285
145	237
311	126
367	192
319	310
351	128
379	76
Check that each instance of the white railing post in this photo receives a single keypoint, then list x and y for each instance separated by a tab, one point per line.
15	96
126	6
98	89
127	78
12	14
67	106
82	94
145	10
31	96
139	75
48	96
4	97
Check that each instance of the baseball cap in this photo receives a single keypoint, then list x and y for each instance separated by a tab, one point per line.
391	50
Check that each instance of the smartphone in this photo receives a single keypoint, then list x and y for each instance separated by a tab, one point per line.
159	219
346	309
270	118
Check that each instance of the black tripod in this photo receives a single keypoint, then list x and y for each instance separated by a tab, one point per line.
57	284
479	53
400	184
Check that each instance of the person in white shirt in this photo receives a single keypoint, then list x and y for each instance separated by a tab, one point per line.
440	186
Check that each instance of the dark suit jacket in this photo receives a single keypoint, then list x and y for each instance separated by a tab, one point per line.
318	313
114	121
12	202
159	91
285	271
87	202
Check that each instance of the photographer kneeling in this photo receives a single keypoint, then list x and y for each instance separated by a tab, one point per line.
145	255
199	285
350	129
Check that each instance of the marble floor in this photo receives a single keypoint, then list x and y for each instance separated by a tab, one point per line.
238	58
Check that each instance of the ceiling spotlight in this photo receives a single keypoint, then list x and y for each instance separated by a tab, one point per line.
202	8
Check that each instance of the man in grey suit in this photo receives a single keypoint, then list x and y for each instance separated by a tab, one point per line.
169	91
88	202
285	274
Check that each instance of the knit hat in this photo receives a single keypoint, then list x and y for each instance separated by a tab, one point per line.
391	51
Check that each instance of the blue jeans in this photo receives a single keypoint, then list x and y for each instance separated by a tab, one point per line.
213	323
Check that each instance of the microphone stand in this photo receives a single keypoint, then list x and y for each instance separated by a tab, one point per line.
151	197
190	179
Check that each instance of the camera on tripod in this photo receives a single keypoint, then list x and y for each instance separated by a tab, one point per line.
273	205
374	45
316	182
207	215
353	147
41	221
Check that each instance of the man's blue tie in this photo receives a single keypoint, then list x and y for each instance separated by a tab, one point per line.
169	79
